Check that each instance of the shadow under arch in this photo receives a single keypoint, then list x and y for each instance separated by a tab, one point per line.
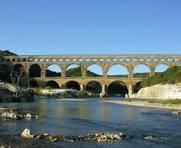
35	70
137	87
19	75
52	84
117	88
94	87
5	73
33	84
72	85
19	69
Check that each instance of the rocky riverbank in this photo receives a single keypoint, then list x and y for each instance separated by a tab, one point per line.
14	93
98	137
159	91
62	93
166	96
15	114
27	139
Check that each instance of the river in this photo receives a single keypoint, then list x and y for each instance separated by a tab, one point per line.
83	116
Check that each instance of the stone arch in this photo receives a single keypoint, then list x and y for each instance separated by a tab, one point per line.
73	70
117	70
137	87
161	67
18	70
53	70
35	70
72	85
117	88
141	70
94	87
7	60
5	73
18	75
94	70
52	84
33	83
24	59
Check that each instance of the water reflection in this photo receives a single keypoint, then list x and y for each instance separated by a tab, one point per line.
71	109
131	114
105	111
43	107
91	116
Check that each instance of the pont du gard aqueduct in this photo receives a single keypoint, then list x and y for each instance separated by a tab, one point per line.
42	62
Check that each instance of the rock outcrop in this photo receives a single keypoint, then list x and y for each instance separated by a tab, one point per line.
9	92
150	138
167	91
5	146
27	134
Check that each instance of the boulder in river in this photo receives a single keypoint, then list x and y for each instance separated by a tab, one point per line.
27	134
177	112
14	93
150	138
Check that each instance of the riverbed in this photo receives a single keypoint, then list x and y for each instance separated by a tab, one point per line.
83	116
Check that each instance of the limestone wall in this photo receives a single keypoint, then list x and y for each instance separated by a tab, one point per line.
168	91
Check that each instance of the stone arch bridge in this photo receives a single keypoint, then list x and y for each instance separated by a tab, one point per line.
84	61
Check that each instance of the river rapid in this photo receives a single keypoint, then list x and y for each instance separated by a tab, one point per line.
83	116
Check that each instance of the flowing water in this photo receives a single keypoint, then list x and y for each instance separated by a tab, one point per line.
80	117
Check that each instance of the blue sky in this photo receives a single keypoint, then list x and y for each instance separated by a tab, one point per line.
90	26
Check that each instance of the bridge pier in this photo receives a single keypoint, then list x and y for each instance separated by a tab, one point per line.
103	93
81	87
63	70
130	90
43	70
152	71
63	73
83	70
130	74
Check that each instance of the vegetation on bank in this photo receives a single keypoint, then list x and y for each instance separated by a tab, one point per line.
166	102
170	76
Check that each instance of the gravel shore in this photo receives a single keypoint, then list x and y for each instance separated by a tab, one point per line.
147	104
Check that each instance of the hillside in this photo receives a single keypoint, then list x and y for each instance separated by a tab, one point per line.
170	76
7	53
73	72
